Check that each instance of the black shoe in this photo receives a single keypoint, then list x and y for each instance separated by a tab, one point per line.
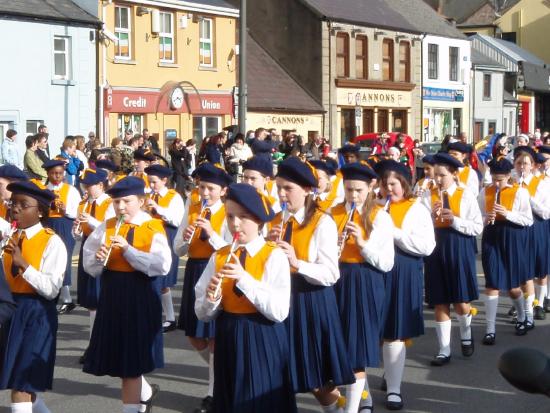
529	325
149	403
539	313
467	347
489	339
207	405
512	312
365	409
546	304
82	358
521	328
384	384
170	327
440	360
394	405
66	308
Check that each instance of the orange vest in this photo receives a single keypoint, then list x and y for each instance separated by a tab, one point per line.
4	211
195	196
351	252
463	175
198	248
398	211
61	194
100	211
143	177
32	250
429	187
143	237
231	302
533	185
507	197
163	201
454	203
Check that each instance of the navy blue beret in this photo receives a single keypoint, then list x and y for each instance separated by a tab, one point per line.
106	164
442	158
262	164
158	170
328	167
460	147
358	171
207	172
52	163
349	148
93	176
144	155
129	185
12	172
294	170
540	158
544	149
500	166
429	159
525	149
250	199
390	165
42	195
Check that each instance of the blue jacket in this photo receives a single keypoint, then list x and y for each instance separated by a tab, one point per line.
72	168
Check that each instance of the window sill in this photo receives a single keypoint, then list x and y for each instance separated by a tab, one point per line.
124	62
168	64
61	82
487	99
208	69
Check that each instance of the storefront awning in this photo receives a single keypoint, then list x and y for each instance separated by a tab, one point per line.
536	78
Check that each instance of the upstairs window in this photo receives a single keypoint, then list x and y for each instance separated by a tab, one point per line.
206	42
453	64
361	57
342	55
404	62
166	38
123	32
387	59
433	61
61	57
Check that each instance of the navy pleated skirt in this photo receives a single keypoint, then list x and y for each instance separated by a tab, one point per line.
127	335
450	271
360	293
187	320
172	277
87	291
404	306
318	354
251	372
63	227
505	255
29	345
541	239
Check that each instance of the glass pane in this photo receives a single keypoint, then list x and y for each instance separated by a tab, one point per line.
340	67
123	44
386	50
340	45
117	16
402	72
59	45
198	134
359	72
403	49
386	71
60	65
124	17
212	126
359	47
168	48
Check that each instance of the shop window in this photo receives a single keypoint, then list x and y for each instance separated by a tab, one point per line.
166	38
347	125
453	64
368	121
123	32
62	57
204	126
206	47
399	121
387	59
382	120
342	55
361	57
486	86
32	126
433	61
404	62
129	122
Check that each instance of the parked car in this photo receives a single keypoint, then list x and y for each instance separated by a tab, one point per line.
430	148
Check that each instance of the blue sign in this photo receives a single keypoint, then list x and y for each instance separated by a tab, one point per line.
447	95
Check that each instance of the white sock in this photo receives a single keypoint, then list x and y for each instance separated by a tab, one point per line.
443	330
491	304
92	320
529	301
211	375
25	407
205	354
146	390
540	292
366	399
394	354
465	322
168	306
39	406
66	295
130	408
331	408
519	305
353	395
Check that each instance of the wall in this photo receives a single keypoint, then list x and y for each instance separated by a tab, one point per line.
486	110
28	92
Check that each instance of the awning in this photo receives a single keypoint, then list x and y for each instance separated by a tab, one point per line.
536	77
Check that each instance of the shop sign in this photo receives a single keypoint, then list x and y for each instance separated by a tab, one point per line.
373	98
446	95
285	120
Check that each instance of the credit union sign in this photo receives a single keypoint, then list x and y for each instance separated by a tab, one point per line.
373	98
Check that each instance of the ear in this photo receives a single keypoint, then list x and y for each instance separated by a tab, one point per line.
223	191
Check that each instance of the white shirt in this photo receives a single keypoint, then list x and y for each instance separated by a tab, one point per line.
93	223
171	214
73	199
472	182
540	203
48	279
154	263
80	155
322	267
470	221
270	296
521	208
216	240
416	235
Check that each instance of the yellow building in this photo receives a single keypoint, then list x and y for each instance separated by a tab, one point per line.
150	54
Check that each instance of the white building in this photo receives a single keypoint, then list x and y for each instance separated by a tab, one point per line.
48	69
446	66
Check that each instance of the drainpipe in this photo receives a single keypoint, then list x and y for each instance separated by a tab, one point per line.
329	27
423	36
102	81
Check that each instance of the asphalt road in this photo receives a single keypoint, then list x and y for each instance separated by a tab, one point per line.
465	385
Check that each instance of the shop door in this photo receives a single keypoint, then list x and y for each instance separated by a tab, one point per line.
524	117
382	120
347	125
399	121
478	131
368	121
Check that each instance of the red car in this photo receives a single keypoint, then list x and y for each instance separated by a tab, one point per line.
372	140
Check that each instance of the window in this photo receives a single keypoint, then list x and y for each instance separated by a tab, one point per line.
492	128
478	131
131	122
387	60
205	126
361	57
342	55
166	38
123	32
433	51
206	52
509	36
32	126
399	121
404	62
453	64
368	121
347	125
383	116
487	86
61	52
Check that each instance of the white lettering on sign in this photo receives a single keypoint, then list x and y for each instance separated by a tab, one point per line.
373	97
210	104
140	102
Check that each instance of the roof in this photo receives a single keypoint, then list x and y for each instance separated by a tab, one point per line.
270	87
508	97
49	10
537	78
216	3
480	59
513	51
462	10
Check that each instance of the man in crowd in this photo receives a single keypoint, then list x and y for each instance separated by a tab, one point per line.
10	153
32	163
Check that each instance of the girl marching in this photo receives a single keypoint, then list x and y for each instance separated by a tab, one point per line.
329	192
467	176
450	271
427	182
246	287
